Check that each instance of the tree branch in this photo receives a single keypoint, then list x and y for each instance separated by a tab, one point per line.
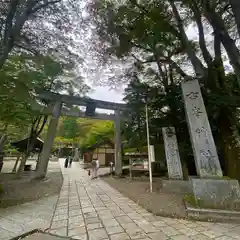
178	69
33	51
136	4
165	80
202	43
142	62
140	46
42	6
42	126
9	20
197	64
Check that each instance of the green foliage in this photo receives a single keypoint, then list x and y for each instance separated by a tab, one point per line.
162	110
69	127
20	76
83	132
100	131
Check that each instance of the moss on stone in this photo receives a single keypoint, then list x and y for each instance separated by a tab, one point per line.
193	202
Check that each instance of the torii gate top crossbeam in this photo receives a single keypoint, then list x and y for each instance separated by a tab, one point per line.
80	101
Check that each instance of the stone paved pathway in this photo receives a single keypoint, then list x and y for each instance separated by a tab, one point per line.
17	220
91	209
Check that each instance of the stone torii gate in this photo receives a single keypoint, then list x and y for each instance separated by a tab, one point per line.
55	108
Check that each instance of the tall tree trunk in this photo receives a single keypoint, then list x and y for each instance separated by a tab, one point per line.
196	63
228	43
202	43
227	123
218	63
229	144
3	140
16	164
235	4
38	161
22	164
6	44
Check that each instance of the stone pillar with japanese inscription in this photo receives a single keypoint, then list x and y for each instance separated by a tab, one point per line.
172	153
204	148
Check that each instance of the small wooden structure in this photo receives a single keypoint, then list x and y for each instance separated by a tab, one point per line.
137	162
103	151
22	145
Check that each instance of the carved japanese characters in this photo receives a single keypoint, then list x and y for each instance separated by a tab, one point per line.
204	149
172	154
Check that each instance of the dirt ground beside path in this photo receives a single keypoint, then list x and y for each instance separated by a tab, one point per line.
159	202
27	189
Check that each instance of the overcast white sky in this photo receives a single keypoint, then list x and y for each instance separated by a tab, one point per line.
103	93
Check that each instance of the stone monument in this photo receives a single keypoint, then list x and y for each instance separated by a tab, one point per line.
211	189
172	154
204	149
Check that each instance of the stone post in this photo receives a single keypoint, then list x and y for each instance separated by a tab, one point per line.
118	148
76	155
211	190
48	143
204	149
172	153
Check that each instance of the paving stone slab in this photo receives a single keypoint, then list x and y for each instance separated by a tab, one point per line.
114	230
59	231
111	222
79	231
92	226
119	236
58	224
41	236
158	235
97	234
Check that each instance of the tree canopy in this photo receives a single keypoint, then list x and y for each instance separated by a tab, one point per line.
152	40
43	27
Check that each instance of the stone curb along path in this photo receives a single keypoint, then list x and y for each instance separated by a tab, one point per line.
92	210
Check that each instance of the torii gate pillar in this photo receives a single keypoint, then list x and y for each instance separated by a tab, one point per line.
48	143
118	145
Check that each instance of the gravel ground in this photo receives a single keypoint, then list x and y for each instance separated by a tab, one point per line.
159	202
26	189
